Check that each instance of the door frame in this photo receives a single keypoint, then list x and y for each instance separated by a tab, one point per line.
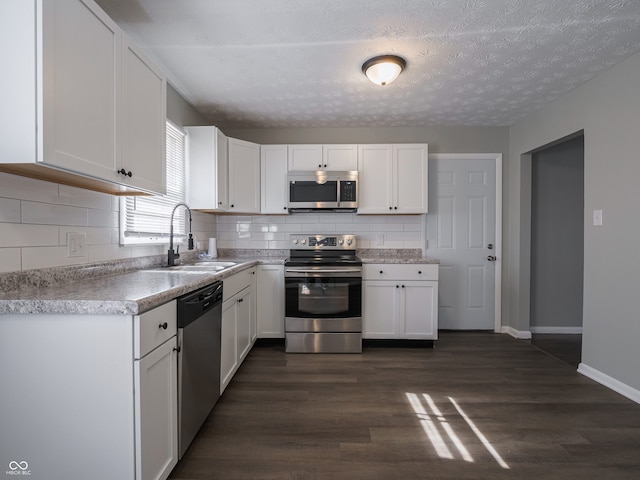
497	157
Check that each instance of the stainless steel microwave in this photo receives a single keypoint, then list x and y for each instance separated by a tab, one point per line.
328	191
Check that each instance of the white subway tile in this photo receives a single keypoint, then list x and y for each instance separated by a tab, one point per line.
353	228
100	218
370	219
48	214
146	250
279	245
10	259
303	218
226	244
43	257
95	235
403	236
80	197
102	253
413	244
23	188
9	210
269	219
412	227
261	244
387	227
315	228
285	227
404	219
21	235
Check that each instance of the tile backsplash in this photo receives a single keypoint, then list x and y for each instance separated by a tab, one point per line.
35	217
272	232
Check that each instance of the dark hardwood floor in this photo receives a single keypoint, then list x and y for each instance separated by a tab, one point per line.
478	406
567	348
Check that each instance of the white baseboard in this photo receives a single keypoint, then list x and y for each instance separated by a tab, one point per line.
519	334
610	382
557	330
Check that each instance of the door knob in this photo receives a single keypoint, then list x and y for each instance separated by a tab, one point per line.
490	246
491	258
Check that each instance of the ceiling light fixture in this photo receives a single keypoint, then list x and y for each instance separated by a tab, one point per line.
383	69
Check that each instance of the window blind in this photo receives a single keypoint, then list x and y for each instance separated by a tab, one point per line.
146	219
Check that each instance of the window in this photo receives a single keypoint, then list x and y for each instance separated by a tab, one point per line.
145	219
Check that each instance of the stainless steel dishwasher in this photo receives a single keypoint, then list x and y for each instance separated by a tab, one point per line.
199	323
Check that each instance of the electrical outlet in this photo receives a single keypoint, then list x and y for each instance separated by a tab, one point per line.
76	244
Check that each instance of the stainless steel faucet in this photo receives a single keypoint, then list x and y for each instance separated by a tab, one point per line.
173	258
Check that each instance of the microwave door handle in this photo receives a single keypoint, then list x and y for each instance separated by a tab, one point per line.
338	192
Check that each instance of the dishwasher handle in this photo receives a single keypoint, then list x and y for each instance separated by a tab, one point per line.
195	304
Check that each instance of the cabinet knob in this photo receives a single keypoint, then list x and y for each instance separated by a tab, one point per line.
219	203
381	272
176	349
419	272
395	208
232	205
240	300
285	208
163	325
397	286
125	173
325	165
319	166
402	286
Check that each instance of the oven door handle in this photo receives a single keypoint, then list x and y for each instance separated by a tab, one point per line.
307	272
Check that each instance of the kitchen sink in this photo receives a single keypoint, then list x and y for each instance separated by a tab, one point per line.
203	266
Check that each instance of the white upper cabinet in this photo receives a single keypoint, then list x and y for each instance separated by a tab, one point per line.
143	117
340	158
65	106
208	163
393	178
244	176
323	157
273	179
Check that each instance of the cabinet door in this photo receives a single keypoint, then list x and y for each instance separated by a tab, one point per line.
305	157
81	59
270	301
340	158
143	121
156	412
380	309
245	320
273	178
244	176
207	170
420	307
411	178
375	178
229	343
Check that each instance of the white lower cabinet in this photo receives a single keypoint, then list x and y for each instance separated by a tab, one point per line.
270	301
400	301
98	389
238	323
156	412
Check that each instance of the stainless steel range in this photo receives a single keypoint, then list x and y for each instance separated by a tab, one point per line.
323	295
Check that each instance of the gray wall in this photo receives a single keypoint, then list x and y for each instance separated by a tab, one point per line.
557	235
180	112
608	110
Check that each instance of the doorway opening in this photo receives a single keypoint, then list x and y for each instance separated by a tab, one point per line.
557	248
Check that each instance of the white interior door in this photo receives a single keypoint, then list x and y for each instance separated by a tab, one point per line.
461	233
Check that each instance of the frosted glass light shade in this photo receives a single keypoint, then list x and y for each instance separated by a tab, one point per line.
384	69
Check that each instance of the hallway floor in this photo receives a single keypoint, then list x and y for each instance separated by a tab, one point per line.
478	406
567	348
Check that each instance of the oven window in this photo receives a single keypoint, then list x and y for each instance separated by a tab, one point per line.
305	191
323	297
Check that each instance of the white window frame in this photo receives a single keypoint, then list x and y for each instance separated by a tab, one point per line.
155	211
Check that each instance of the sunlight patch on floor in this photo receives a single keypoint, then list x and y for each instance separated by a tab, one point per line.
440	432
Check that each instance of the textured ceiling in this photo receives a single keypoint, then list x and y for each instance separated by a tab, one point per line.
297	63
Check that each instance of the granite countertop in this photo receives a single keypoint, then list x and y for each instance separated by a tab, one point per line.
121	293
134	286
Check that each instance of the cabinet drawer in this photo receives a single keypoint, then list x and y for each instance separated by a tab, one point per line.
149	328
395	271
233	284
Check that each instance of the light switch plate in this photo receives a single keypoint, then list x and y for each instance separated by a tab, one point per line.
597	218
76	244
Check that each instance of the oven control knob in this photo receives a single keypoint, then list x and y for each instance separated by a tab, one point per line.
303	241
341	242
349	241
295	241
